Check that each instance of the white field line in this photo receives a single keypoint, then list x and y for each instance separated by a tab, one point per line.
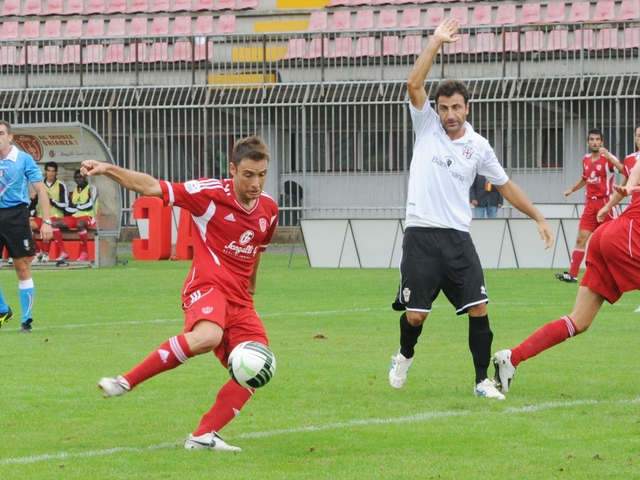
420	417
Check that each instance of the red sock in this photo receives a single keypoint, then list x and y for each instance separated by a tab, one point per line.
546	337
576	260
171	354
230	400
46	246
84	237
57	236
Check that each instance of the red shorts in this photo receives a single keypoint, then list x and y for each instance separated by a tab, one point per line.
613	259
38	221
72	222
239	323
589	218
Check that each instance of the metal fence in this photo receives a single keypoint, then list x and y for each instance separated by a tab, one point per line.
332	105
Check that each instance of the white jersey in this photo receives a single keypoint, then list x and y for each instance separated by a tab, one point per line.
442	171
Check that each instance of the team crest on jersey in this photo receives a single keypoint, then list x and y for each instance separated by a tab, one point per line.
467	151
483	290
246	237
598	167
26	243
192	186
263	224
406	293
207	310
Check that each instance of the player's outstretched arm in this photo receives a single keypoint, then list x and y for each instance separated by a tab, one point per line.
581	183
138	182
514	194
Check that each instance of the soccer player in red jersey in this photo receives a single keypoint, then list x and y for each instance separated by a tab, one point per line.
597	174
613	264
233	220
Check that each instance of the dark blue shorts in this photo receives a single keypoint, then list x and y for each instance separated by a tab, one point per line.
15	232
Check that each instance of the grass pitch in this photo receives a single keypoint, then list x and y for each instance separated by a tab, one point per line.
329	412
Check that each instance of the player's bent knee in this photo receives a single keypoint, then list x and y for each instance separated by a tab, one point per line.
204	337
415	319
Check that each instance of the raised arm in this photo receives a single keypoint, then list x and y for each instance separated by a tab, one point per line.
514	194
612	159
415	84
581	183
138	182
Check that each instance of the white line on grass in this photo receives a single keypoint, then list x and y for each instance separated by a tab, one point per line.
420	417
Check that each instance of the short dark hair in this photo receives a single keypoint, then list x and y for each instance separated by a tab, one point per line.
447	88
51	165
6	124
252	147
595	131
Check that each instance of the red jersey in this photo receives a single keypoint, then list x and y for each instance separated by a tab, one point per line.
629	162
226	236
598	175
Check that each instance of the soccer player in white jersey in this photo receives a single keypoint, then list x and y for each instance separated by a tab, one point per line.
437	250
233	221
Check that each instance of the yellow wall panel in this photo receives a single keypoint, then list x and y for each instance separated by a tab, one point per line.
256	54
292	26
240	79
301	3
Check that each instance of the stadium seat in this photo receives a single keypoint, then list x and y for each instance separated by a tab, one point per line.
117	6
359	3
463	45
390	45
582	40
387	19
364	20
203	51
529	13
73	28
341	20
160	6
366	47
555	13
138	6
411	45
204	25
181	26
32	7
115	53
94	53
226	24
71	54
508	42
506	14
29	55
159	52
52	29
557	40
338	3
605	11
460	13
607	38
317	21
434	17
96	6
203	5
631	38
225	5
9	56
182	52
74	7
629	10
137	52
580	12
53	7
383	2
485	42
297	48
95	27
410	18
481	15
9	31
139	27
318	48
342	47
247	5
160	26
50	55
533	41
181	6
117	27
11	8
31	29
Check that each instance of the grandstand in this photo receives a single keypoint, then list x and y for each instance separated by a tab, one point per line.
171	84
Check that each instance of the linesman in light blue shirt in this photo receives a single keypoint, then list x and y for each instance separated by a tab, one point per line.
17	170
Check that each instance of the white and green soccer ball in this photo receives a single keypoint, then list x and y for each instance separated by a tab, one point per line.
251	364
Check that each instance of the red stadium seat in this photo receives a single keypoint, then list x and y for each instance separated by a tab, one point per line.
607	38
582	40
631	38
11	8
203	5
460	13
605	11
115	53
139	6
411	45
117	6
95	27
9	31
359	3
580	12
53	7
226	24
203	51
225	5
338	3
204	25
557	40
318	48
29	55
629	10
341	20
71	54
342	47
463	45
74	7
366	47
247	5
555	13
390	45
96	6
388	19
94	53
182	6
410	18
139	27
485	42
533	41
160	6
52	29
508	42
160	26
117	27
435	16
506	14
50	55
182	52
9	56
364	20
137	52
317	21
182	26
481	15
32	7
297	48
31	29
73	29
530	13
159	52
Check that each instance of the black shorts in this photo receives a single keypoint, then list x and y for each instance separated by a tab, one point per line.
15	232
435	259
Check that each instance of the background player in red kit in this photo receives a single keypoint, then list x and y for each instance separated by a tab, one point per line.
597	174
232	223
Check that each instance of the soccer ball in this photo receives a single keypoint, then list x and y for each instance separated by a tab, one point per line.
251	364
